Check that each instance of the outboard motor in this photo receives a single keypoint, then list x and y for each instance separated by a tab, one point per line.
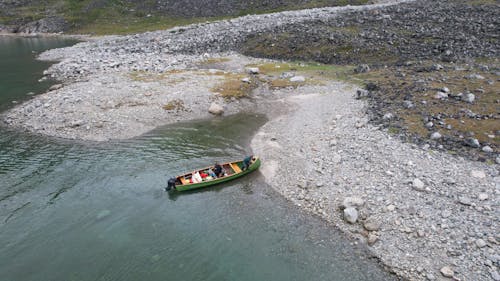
170	184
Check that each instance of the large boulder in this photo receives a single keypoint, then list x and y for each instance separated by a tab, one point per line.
216	109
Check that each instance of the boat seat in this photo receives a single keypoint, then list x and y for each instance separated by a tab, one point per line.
184	181
236	168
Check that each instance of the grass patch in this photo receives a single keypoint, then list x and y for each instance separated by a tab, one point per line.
284	83
124	17
233	86
480	128
175	105
213	61
398	85
146	76
308	68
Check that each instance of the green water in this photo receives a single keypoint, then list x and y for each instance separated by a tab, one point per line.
97	211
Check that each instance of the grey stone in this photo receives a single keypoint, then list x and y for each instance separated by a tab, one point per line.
362	68
480	243
464	201
477	174
55	87
447	271
352	201
495	275
216	109
418	184
469	97
472	142
435	136
371	224
440	95
298	79
388	116
361	93
487	149
408	104
351	215
372	239
253	70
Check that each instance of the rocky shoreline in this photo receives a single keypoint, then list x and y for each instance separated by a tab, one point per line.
425	214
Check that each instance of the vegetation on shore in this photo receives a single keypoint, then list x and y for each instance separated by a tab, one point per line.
128	17
407	65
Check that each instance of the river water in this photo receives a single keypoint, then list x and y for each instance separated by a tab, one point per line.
97	211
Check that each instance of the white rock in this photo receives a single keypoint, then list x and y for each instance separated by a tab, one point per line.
350	215
447	271
352	201
298	79
477	174
470	98
371	224
216	109
495	275
253	70
418	184
480	243
435	136
441	95
372	239
487	149
388	116
483	196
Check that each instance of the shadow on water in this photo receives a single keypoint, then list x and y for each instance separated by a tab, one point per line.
245	183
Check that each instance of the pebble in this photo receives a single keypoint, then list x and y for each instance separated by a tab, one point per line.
351	215
483	196
371	224
478	174
352	201
298	79
480	243
418	184
435	136
372	239
487	149
495	275
446	271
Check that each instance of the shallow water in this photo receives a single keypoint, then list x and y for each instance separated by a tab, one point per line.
92	211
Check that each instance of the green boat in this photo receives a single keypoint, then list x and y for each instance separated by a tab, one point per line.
205	177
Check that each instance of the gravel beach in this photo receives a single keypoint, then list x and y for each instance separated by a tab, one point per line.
427	215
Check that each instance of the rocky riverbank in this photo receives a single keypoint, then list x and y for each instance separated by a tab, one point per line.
426	214
431	68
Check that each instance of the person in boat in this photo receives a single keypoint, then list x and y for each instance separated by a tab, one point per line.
197	177
204	175
247	162
211	173
218	170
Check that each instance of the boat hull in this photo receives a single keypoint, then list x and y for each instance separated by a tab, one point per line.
191	186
